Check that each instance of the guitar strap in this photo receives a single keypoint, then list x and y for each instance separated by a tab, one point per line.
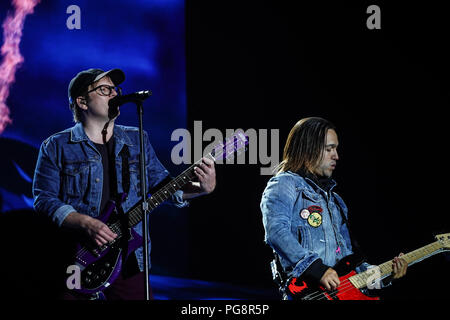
125	154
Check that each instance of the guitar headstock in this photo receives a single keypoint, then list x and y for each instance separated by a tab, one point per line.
444	240
236	143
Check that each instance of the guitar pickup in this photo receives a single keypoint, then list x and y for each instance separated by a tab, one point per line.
95	253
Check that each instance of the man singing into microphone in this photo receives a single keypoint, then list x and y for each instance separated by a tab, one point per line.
81	168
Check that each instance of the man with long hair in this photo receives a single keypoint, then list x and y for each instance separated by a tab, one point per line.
305	221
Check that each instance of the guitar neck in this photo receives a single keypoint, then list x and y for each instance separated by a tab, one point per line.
383	270
135	214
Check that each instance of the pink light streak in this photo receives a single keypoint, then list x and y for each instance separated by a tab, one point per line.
12	59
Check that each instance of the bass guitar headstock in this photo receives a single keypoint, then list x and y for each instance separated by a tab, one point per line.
444	240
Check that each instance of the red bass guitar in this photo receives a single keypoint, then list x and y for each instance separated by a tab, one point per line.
352	283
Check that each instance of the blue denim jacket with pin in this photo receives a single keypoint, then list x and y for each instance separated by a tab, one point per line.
300	242
297	240
69	175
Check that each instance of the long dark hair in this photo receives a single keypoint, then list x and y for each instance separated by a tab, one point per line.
304	145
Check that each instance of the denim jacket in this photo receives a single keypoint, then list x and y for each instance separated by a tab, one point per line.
297	240
298	243
69	175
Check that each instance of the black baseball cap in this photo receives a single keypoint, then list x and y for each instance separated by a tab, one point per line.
84	78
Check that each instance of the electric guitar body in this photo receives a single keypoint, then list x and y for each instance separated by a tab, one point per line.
351	282
100	266
300	289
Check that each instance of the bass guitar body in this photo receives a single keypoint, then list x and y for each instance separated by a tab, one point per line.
351	282
301	289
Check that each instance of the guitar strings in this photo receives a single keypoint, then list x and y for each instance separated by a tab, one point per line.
346	285
218	153
114	227
317	295
345	288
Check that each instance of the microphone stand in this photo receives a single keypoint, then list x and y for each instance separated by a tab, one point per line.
145	208
138	99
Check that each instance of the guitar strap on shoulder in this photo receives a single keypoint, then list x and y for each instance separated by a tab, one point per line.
125	154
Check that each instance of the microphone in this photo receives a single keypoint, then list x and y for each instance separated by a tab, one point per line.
117	101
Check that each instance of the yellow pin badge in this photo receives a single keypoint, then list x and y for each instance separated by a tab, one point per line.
315	219
315	216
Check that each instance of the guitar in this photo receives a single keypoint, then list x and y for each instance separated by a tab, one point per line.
100	266
351	283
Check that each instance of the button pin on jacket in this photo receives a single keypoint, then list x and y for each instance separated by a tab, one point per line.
317	209
304	213
315	219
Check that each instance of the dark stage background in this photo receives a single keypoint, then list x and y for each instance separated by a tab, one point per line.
250	65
